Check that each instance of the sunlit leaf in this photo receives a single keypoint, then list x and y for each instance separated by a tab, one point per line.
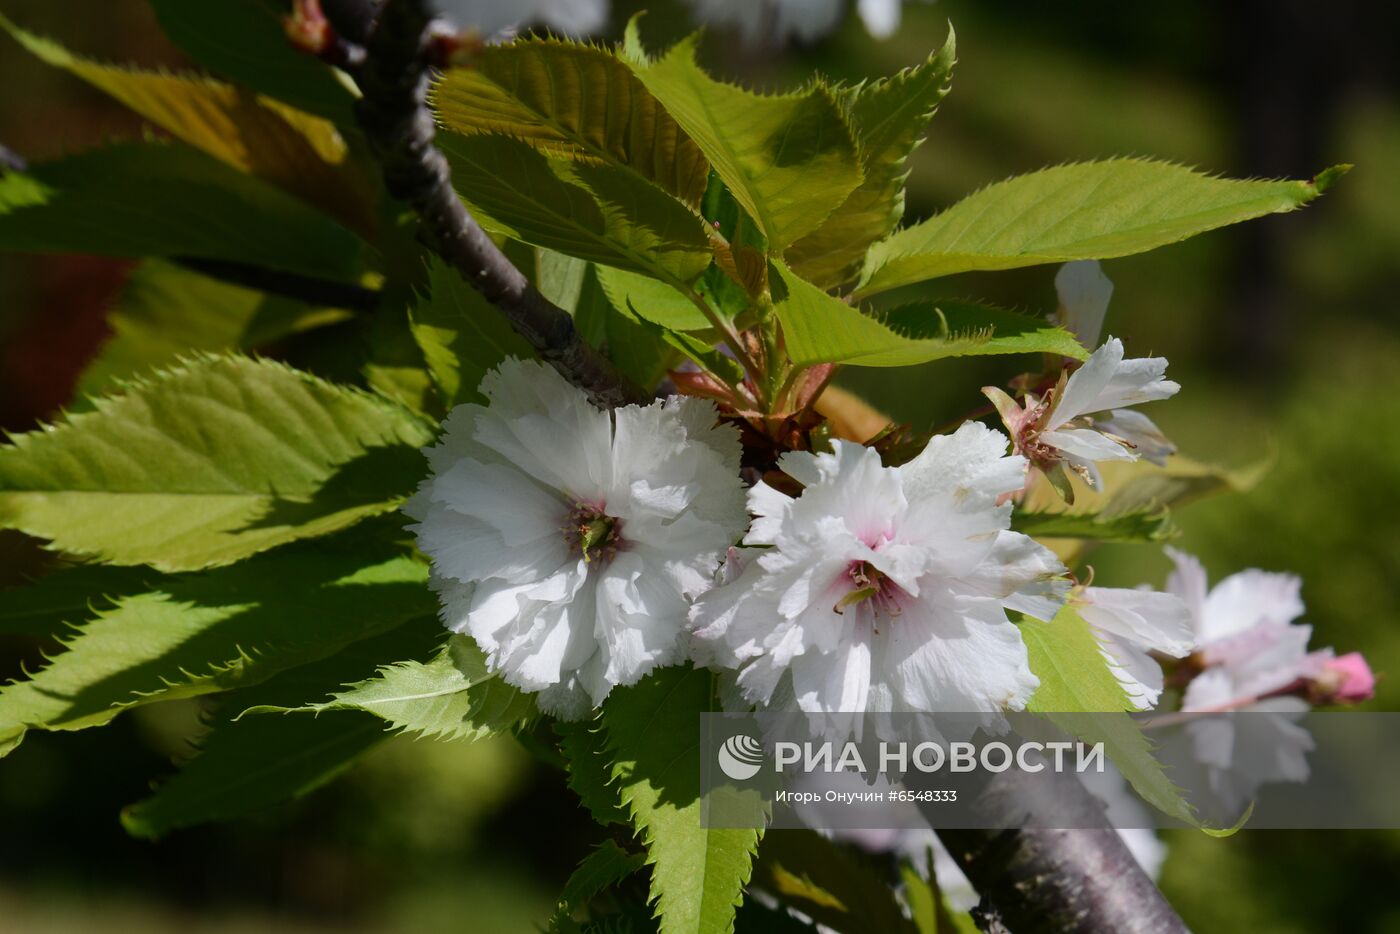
209	463
572	100
789	160
1089	210
819	328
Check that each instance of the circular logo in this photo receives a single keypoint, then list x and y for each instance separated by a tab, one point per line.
741	757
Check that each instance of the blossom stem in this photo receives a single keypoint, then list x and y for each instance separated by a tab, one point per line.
394	115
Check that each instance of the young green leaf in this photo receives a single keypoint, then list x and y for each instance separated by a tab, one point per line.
244	40
600	870
157	199
246	764
211	462
819	328
698	874
451	696
302	154
1151	526
789	160
648	298
590	211
833	886
888	118
1089	210
637	347
1074	680
219	630
572	100
462	335
165	311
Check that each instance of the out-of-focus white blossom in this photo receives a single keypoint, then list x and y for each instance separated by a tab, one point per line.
884	588
567	541
778	21
489	17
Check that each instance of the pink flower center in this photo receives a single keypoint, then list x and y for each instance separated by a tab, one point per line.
592	533
871	585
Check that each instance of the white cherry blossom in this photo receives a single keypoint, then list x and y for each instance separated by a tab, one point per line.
568	541
884	588
1129	625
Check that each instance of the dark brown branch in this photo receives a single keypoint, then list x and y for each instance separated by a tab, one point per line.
394	115
1046	881
321	292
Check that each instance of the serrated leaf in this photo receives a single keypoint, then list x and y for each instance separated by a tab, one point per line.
219	630
600	870
819	328
789	160
244	40
209	463
166	311
1152	526
584	746
590	211
157	199
462	335
698	874
1088	210
888	118
651	299
638	348
576	101
1075	679
832	886
245	764
57	602
302	154
451	696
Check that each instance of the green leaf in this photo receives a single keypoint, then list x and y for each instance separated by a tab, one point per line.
698	874
219	630
591	211
789	160
888	118
243	765
833	886
462	335
819	328
244	40
159	199
451	696
637	347
1152	526
302	154
56	603
648	298
584	745
166	311
1074	680
575	101
600	870
209	463
1089	210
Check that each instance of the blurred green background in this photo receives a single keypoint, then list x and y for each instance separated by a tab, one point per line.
1284	333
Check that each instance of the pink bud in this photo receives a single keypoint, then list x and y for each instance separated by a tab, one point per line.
1354	679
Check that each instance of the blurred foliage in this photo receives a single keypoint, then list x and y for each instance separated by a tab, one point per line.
1284	334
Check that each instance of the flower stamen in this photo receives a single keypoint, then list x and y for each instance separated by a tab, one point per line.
592	533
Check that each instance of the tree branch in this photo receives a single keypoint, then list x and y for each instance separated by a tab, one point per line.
1037	880
321	292
394	115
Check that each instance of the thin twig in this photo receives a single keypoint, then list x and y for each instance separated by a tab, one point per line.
395	117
